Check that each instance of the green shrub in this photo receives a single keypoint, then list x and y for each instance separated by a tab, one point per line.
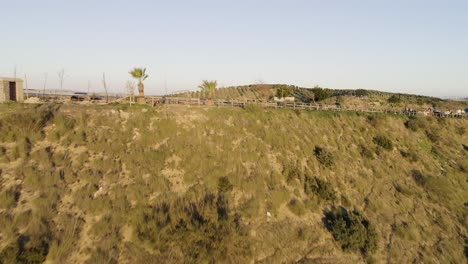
432	136
361	92
283	90
224	185
365	152
351	230
383	142
297	207
394	99
410	155
320	188
25	123
324	156
321	94
461	131
415	123
200	225
418	177
375	119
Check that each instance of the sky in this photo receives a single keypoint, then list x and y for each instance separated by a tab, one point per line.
406	46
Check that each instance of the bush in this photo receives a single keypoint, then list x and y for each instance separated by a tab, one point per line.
320	188
321	94
383	142
361	92
224	185
433	136
415	123
375	119
324	156
461	131
410	155
351	230
365	152
394	99
25	123
283	90
418	177
297	207
199	224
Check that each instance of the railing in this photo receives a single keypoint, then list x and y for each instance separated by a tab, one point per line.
289	105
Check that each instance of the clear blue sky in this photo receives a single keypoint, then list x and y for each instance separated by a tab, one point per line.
396	45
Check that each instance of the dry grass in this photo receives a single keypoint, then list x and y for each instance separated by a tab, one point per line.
89	184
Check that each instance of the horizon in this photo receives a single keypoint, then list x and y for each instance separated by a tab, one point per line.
412	48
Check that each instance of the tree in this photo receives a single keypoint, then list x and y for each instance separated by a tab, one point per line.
130	91
394	99
140	75
61	75
361	92
320	93
104	83
283	90
208	88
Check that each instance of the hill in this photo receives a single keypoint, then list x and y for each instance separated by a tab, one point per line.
359	98
95	184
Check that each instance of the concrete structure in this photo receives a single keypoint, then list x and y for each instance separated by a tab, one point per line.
285	99
11	89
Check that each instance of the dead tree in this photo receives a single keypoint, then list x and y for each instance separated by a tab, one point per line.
61	75
45	84
105	86
131	91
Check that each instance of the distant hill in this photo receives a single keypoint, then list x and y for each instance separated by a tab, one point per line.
356	98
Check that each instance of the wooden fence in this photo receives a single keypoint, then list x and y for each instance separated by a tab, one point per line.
289	105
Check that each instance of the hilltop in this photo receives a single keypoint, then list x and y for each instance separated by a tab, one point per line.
359	98
113	183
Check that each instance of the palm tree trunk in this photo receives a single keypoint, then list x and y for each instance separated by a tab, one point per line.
141	89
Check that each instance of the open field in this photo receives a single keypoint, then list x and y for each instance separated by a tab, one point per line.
113	183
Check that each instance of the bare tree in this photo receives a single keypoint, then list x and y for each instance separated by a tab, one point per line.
105	86
61	75
131	91
45	84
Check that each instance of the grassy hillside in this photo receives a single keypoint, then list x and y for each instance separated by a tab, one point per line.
347	98
108	184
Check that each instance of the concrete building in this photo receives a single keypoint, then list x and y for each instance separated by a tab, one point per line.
11	89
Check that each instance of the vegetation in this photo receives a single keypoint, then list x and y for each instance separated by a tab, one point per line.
283	90
208	88
140	75
361	92
324	156
383	141
352	230
321	188
321	93
114	183
394	99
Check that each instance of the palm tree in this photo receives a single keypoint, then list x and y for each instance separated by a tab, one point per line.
140	75
208	88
